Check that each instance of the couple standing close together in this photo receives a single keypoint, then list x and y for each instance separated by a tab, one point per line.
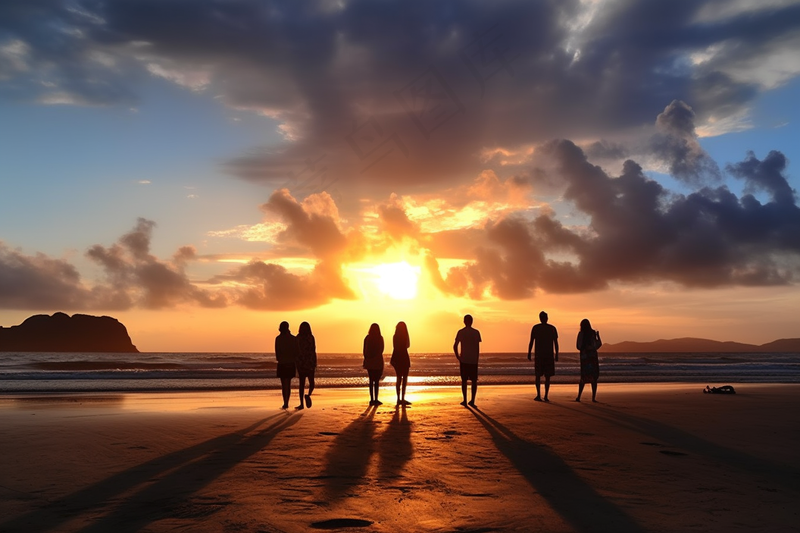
296	355
544	342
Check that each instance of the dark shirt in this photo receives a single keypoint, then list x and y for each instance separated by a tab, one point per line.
286	348
544	336
373	352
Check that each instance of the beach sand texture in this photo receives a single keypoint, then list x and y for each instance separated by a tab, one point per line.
647	457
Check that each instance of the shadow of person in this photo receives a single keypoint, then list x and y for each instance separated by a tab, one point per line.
568	495
188	470
348	457
395	448
779	472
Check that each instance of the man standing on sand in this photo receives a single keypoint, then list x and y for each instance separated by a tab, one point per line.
470	339
545	336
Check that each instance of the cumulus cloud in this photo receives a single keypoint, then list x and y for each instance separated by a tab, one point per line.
39	282
311	226
637	231
135	276
677	145
411	94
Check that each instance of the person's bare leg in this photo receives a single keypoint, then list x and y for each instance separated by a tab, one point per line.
594	391
538	390
397	386
546	388
580	391
464	391
302	389
286	391
474	392
377	387
405	382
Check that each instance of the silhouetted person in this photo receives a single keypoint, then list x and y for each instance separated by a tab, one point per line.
545	338
373	361
401	361
587	344
286	354
470	339
306	362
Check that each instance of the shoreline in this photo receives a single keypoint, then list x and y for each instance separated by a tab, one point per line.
387	385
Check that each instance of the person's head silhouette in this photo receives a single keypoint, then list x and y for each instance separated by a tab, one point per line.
543	317
586	325
375	329
304	329
468	320
284	327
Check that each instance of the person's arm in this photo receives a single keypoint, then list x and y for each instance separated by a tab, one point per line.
381	346
455	348
276	350
599	342
578	342
530	345
555	344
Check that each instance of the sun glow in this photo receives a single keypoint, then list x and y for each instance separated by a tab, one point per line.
396	280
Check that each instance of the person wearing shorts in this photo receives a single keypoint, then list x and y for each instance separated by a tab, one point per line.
545	338
469	339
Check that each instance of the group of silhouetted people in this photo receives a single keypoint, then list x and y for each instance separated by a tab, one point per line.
298	356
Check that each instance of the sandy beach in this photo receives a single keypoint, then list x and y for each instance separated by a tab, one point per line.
648	457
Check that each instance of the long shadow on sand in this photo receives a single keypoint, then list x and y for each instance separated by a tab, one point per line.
347	459
189	470
781	473
395	448
574	500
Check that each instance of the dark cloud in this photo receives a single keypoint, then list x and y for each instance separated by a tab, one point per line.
39	282
133	277
637	231
766	175
141	279
600	150
396	93
677	144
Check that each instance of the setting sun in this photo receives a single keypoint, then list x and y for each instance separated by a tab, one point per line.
397	280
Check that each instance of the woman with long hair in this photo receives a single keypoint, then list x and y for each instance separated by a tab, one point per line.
286	354
306	362
373	361
400	361
587	344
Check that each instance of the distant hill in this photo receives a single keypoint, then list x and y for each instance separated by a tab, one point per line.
689	344
62	333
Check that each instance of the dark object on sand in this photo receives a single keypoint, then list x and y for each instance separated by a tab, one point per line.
725	389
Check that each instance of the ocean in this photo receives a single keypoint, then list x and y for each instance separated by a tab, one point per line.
159	372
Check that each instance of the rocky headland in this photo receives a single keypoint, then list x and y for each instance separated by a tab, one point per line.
63	333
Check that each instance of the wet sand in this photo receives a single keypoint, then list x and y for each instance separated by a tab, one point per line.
650	457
